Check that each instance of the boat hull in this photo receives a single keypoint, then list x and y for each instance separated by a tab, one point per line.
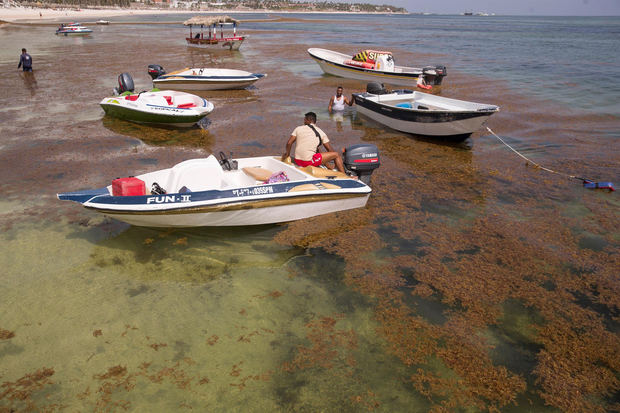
196	85
145	117
75	33
368	75
245	213
197	79
456	125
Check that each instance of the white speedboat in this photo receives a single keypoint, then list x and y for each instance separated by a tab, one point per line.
164	107
374	66
422	113
202	78
246	191
103	22
73	29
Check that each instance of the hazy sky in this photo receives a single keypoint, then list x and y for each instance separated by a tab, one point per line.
530	7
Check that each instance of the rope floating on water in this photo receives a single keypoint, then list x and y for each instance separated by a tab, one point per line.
587	183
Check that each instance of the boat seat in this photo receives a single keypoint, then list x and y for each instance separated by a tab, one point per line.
196	175
168	99
322	172
132	97
186	105
258	173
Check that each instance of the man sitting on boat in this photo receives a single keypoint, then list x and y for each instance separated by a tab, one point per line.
308	138
337	102
421	83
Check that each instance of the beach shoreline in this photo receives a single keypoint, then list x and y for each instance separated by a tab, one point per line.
28	15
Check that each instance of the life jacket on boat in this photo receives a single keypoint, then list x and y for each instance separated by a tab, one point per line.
364	65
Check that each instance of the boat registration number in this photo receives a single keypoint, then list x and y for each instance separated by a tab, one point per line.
259	190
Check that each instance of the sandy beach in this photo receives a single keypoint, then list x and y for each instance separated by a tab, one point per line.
33	15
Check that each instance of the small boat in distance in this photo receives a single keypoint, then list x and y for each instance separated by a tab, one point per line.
165	107
102	22
374	66
245	191
73	29
422	113
211	39
202	78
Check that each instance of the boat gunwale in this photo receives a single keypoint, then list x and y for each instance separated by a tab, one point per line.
357	187
489	111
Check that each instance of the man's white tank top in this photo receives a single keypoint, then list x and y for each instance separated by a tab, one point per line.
338	104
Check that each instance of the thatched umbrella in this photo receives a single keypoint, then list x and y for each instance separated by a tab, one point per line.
210	21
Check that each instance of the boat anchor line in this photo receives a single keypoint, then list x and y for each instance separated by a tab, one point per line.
587	183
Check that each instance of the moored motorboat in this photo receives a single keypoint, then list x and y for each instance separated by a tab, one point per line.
211	39
73	29
104	22
202	78
374	66
246	191
422	113
163	107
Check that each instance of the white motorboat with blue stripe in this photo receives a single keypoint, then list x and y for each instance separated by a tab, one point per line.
73	29
245	191
202	78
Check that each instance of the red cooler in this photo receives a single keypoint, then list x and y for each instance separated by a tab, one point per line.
128	187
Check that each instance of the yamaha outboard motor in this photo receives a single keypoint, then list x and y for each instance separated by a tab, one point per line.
362	159
156	71
125	84
376	88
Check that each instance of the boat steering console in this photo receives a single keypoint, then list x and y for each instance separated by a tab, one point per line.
227	163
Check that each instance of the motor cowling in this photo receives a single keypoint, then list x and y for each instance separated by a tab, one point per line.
435	74
362	159
376	88
155	71
125	84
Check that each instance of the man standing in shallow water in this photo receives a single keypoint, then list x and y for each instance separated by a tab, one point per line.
25	61
309	138
337	102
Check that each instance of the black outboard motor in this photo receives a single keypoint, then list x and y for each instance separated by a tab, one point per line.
362	159
156	71
376	88
125	84
434	74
